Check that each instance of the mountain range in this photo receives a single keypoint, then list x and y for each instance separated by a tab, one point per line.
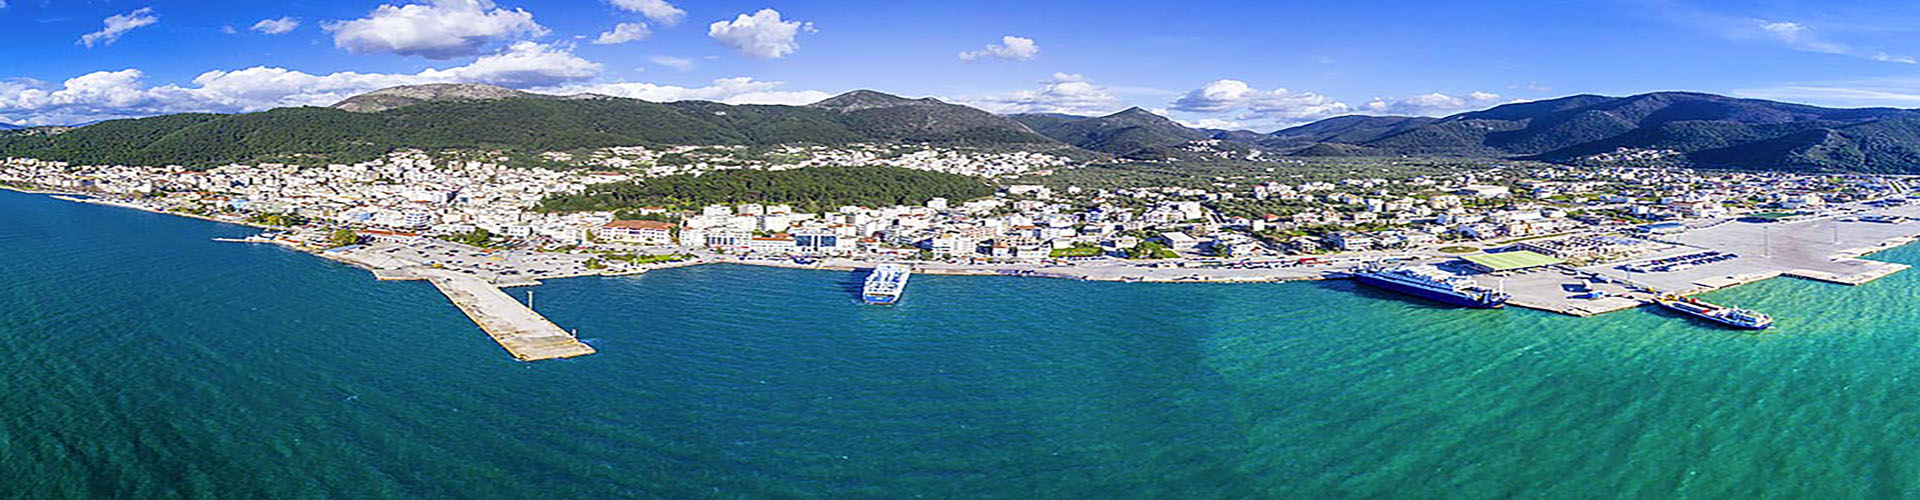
1702	129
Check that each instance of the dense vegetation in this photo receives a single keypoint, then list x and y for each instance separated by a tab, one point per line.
343	237
1706	130
1709	130
1125	132
310	135
807	189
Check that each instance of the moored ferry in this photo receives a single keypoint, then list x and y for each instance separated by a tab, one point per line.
1453	290
1729	316
885	284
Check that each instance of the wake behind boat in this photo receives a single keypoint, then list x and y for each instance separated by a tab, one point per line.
885	284
1729	316
1432	285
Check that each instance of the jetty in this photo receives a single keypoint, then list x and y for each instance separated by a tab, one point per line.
525	334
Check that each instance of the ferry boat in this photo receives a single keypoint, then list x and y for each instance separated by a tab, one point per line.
885	284
1454	290
1730	316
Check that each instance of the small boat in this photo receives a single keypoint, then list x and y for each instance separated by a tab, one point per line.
1733	317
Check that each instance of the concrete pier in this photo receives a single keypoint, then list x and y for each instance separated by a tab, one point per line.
523	333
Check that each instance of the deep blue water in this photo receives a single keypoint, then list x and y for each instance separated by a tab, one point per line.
142	360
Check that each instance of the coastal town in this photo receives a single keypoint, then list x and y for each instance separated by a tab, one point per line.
1573	240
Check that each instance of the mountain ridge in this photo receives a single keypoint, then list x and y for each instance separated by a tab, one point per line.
1701	129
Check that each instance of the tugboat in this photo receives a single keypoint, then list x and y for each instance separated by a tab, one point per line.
1732	317
1453	290
885	284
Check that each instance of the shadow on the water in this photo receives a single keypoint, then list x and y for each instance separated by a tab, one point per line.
1353	287
854	282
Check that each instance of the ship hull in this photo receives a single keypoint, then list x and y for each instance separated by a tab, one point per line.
1441	297
880	300
1714	320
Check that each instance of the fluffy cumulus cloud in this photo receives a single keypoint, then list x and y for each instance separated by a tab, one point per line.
524	64
737	90
623	33
761	35
1250	104
276	26
657	10
1061	93
1011	48
439	29
117	94
119	24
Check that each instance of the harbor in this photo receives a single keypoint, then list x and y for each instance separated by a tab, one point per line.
525	334
1825	246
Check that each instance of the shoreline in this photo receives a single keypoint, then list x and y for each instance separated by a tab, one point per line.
1098	273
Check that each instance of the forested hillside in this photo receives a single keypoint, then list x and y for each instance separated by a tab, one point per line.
808	189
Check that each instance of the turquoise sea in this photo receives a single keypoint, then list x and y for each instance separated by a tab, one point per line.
143	361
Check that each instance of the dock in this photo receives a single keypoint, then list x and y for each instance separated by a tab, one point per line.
522	332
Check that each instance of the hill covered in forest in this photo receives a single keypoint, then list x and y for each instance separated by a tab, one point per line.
468	117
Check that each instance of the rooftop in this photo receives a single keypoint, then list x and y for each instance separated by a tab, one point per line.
639	224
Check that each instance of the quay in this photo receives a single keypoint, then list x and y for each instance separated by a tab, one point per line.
525	334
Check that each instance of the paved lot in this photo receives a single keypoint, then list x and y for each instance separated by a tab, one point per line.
1820	248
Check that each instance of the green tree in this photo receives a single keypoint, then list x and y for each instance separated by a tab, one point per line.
343	237
1150	250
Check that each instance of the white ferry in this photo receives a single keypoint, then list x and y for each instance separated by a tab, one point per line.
1454	290
885	285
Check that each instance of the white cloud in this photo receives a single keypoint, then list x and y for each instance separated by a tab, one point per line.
1062	93
1798	36
1434	104
1233	104
761	35
1277	105
120	94
1885	57
119	24
524	64
440	29
1835	96
679	63
737	90
276	26
658	10
623	33
1214	123
1895	91
1011	48
1214	97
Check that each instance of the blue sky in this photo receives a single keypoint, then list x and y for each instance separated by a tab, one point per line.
1258	65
